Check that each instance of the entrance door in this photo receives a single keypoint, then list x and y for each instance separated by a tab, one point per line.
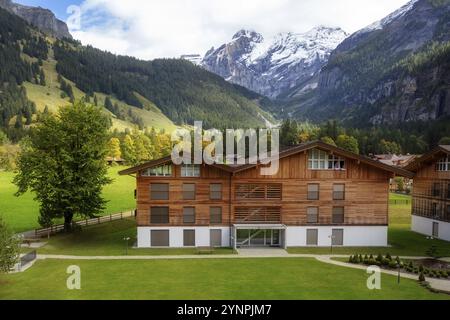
258	238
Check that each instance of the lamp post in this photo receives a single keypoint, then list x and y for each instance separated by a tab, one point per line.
126	239
331	240
398	277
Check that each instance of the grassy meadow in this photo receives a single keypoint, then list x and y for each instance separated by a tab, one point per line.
21	213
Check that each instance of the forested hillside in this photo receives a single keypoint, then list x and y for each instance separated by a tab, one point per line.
39	73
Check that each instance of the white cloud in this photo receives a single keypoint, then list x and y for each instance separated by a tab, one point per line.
170	28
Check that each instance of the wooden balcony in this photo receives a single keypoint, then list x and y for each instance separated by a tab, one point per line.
243	215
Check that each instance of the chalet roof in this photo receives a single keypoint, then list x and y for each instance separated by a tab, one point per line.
429	157
284	154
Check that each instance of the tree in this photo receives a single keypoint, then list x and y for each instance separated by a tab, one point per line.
3	138
348	143
289	135
9	248
128	150
328	140
445	141
114	148
64	164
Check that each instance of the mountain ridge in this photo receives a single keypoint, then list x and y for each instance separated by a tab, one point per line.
275	65
41	18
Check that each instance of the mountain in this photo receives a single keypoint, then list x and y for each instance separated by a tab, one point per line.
270	67
38	74
395	70
39	17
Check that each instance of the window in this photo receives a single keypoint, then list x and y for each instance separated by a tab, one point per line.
161	171
435	211
312	237
322	160
215	237
189	215
188	191
189	238
339	192
436	190
215	191
338	215
159	191
443	164
159	215
313	192
448	191
337	237
190	170
312	214
335	163
159	238
215	215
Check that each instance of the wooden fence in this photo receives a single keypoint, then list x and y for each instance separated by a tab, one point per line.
84	223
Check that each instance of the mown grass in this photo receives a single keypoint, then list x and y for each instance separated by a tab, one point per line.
108	240
21	213
401	239
207	279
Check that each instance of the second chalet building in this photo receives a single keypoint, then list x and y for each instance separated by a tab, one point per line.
321	196
431	193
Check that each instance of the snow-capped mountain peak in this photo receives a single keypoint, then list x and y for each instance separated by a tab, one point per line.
271	66
388	19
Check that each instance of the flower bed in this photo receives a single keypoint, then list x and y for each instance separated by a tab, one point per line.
418	267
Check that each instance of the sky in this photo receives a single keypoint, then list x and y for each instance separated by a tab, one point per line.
150	29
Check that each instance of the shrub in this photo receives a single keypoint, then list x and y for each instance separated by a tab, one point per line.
379	258
393	264
388	256
421	268
422	277
371	257
411	265
385	262
360	258
350	259
372	262
444	274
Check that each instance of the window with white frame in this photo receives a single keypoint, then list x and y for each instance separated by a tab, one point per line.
322	160
190	170
443	164
161	171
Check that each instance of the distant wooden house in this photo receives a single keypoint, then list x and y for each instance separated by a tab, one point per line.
119	161
400	161
431	194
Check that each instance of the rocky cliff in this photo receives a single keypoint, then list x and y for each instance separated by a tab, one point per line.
39	17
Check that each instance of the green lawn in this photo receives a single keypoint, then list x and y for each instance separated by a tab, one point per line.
402	240
206	279
22	213
107	240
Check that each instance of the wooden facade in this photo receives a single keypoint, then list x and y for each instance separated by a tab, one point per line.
431	192
356	195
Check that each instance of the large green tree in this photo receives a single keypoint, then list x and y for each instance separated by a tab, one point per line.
9	248
64	164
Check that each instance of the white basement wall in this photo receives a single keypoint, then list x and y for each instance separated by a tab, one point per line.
425	226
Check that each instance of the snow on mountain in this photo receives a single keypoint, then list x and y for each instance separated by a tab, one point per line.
388	19
272	66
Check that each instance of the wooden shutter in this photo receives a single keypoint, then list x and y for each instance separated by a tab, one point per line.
312	237
160	238
338	237
313	191
215	215
159	215
159	191
189	191
189	238
216	238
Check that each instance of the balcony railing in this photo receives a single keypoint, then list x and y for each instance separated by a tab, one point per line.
257	215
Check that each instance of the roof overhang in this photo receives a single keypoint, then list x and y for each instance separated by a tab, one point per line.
284	154
260	226
431	156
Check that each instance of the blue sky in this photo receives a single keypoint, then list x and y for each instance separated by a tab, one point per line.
59	7
151	29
